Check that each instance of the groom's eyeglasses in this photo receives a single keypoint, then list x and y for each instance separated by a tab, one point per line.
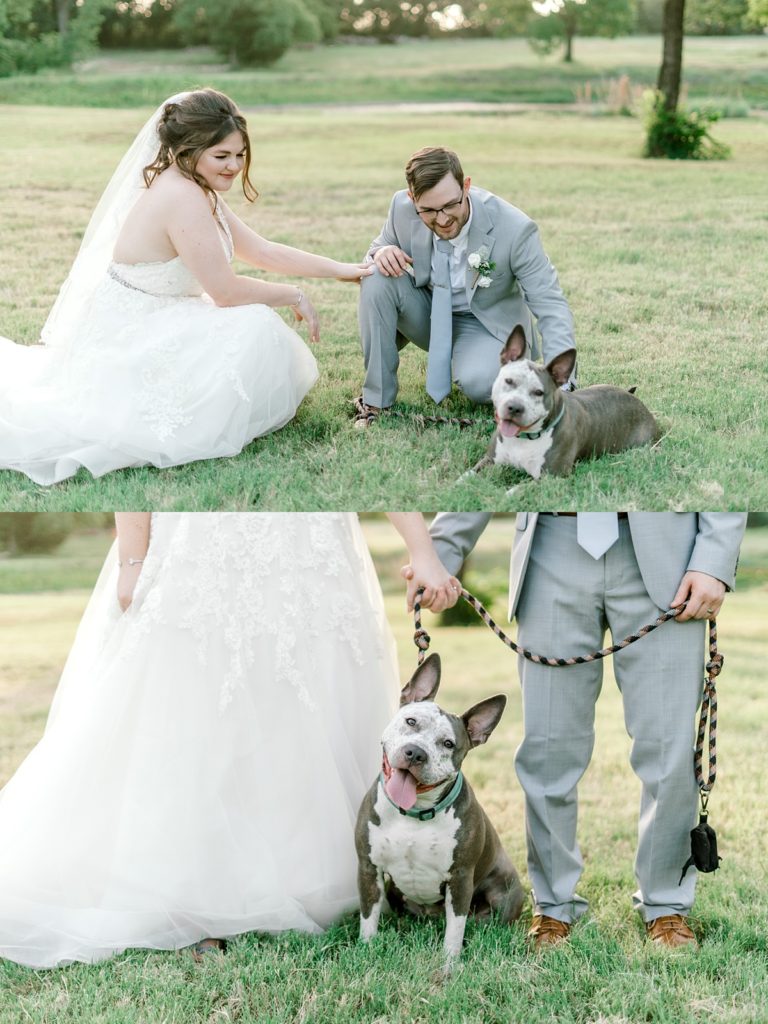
449	209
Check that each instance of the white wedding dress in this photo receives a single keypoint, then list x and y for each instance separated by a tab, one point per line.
150	372
207	750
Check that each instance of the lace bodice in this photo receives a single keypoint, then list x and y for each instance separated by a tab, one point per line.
165	278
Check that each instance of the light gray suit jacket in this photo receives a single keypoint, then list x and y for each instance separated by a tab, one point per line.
523	280
667	545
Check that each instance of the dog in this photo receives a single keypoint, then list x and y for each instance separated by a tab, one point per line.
542	429
424	843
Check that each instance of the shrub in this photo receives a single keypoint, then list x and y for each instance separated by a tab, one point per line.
680	134
248	32
24	533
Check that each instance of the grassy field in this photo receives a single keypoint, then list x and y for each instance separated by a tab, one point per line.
731	71
606	975
662	263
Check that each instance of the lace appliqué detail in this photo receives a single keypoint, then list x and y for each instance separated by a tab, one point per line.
163	400
261	592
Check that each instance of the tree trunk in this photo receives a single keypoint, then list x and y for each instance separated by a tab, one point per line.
570	20
62	16
671	68
569	34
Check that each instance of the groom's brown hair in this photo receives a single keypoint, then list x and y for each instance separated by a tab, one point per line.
429	166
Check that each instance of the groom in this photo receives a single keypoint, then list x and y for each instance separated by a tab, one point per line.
458	268
572	576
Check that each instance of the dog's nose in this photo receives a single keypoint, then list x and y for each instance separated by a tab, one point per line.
512	409
415	754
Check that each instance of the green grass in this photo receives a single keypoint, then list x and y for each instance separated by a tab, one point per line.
662	263
606	975
726	69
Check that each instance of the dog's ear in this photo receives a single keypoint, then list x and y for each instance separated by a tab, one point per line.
561	367
514	349
424	683
482	718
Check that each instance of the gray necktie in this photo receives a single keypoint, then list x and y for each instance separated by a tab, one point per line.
441	324
597	531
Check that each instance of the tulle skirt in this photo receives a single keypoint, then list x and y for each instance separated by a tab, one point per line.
207	750
149	380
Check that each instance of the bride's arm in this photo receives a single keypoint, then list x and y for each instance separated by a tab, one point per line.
425	569
132	546
195	237
252	248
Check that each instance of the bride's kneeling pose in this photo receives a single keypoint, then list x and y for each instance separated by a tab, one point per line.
155	351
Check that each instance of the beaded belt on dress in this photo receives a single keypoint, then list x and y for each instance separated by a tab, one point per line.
126	284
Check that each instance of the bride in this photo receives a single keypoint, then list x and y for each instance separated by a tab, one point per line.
155	351
207	747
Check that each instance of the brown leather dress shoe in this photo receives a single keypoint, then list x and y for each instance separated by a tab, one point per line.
671	931
547	931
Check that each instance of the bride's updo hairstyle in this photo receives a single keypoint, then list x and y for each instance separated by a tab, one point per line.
196	122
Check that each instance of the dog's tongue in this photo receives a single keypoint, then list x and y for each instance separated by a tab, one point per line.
401	788
508	428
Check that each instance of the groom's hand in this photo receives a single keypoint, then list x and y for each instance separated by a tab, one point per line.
391	261
704	594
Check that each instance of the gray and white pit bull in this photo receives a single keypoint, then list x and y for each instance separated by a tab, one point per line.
542	429
424	843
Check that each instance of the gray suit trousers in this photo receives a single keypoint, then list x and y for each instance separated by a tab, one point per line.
392	312
567	603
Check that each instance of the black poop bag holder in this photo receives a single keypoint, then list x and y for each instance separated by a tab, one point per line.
704	856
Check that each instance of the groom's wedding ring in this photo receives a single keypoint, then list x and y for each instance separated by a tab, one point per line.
710	611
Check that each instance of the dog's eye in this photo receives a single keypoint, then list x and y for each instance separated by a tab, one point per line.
510	383
410	721
449	744
538	392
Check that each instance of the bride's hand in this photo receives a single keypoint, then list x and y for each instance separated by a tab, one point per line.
126	584
441	590
304	310
354	272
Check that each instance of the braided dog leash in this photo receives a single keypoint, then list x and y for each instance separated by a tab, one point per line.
709	698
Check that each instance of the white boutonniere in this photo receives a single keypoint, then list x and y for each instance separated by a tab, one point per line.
479	261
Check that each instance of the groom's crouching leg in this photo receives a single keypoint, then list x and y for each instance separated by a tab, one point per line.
387	304
475	362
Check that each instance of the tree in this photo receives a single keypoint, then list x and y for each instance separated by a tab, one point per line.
134	23
248	32
328	14
671	132
671	69
387	18
758	11
498	17
558	22
62	16
44	33
716	17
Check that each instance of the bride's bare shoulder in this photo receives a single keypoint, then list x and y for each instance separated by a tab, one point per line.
170	187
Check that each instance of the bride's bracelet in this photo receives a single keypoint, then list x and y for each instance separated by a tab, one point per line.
298	301
131	561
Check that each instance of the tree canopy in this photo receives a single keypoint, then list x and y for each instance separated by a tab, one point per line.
558	22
